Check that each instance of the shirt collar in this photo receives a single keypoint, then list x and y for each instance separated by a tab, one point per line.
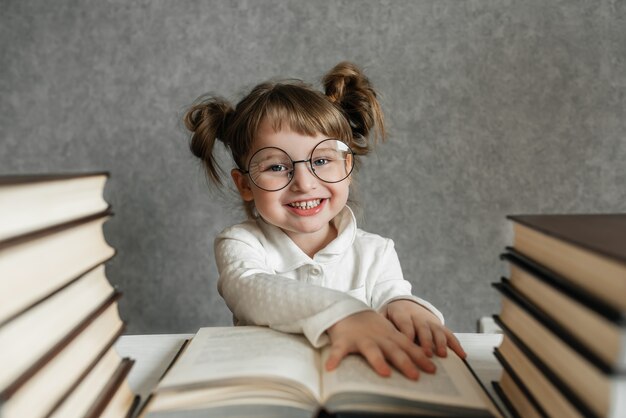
284	255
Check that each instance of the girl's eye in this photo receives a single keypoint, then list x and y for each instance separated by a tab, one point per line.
277	168
318	162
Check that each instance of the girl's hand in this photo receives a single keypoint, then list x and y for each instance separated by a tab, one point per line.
415	321
374	337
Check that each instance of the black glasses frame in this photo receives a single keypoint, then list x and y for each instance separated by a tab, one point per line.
291	174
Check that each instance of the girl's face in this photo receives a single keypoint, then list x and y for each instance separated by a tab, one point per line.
303	209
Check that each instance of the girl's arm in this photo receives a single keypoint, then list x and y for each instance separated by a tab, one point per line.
257	296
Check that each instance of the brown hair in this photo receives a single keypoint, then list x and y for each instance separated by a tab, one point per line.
347	110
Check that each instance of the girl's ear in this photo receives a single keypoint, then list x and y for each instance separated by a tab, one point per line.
243	185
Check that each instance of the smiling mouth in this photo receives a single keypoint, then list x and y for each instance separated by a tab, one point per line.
307	204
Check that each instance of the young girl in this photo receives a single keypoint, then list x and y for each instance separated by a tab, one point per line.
300	264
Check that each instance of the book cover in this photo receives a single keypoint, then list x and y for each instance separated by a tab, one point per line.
603	234
588	250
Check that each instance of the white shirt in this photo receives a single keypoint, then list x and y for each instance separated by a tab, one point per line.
266	279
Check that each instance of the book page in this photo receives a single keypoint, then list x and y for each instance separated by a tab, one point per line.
451	385
222	356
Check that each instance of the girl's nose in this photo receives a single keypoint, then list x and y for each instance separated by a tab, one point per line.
303	179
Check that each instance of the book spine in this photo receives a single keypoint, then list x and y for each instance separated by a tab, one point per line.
9	180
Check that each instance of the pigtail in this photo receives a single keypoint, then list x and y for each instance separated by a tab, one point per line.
350	90
208	120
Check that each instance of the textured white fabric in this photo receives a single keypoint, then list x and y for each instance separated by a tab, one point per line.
266	279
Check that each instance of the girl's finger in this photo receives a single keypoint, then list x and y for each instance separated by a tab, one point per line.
337	353
417	355
454	344
441	345
374	356
423	361
401	360
425	338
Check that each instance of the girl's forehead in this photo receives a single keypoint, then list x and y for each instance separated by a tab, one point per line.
286	139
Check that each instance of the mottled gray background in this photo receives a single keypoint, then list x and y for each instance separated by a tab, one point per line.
494	107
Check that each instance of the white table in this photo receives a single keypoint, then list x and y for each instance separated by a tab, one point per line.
152	354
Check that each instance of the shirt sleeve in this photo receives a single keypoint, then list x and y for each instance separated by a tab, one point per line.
257	296
391	284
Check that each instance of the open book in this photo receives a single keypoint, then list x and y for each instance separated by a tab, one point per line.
256	371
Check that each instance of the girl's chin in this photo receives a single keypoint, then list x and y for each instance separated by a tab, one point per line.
305	226
310	228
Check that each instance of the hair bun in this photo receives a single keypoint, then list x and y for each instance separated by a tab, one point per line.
348	88
210	112
207	120
344	77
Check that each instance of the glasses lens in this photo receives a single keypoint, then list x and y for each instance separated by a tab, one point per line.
332	160
270	168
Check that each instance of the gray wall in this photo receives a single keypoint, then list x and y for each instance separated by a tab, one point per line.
495	107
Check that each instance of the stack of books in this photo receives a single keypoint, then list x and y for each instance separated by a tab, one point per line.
564	317
59	315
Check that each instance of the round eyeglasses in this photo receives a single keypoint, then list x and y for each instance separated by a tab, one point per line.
272	169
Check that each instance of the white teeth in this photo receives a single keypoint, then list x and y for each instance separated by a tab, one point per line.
307	204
